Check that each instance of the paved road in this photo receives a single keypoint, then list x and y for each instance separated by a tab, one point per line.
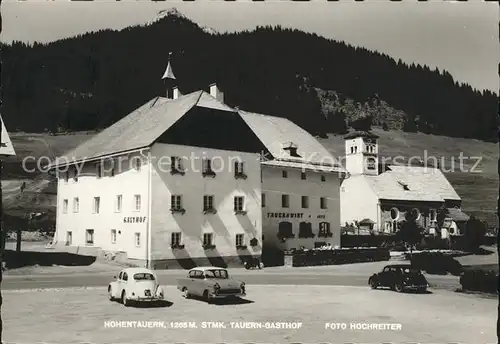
254	277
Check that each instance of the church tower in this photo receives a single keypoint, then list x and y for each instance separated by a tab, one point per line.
361	153
170	81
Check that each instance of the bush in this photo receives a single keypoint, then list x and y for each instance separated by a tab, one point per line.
474	233
480	280
433	243
342	256
436	263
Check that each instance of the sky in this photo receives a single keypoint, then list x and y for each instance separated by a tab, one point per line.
460	37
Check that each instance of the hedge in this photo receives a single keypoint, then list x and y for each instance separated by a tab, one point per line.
436	263
342	256
480	280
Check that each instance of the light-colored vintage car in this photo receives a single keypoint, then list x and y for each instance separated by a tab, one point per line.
135	285
210	283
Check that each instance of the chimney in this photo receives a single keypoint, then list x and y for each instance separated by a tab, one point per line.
216	92
176	92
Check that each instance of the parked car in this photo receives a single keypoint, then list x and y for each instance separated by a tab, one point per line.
210	283
399	277
135	285
253	263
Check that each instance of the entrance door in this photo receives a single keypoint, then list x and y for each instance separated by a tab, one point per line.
119	242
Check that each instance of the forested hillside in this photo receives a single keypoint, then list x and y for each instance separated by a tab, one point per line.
92	80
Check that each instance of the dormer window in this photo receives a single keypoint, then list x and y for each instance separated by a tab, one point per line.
404	185
291	148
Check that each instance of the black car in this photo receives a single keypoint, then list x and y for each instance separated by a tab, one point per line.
399	277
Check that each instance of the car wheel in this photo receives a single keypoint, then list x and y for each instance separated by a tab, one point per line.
373	283
422	290
398	287
185	293
110	294
206	297
125	302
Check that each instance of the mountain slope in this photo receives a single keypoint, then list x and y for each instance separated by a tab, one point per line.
92	80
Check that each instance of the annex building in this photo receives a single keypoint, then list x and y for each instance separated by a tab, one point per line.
186	180
379	195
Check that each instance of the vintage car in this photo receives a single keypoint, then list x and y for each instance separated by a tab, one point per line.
399	277
210	283
135	285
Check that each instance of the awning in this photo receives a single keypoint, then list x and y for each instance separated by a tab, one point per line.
366	222
457	215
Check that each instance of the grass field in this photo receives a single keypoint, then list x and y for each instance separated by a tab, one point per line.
478	188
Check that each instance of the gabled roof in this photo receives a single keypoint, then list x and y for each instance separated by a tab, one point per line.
423	183
6	147
277	133
140	128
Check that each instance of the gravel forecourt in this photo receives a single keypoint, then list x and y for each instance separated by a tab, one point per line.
273	314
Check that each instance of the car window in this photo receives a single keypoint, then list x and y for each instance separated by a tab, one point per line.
120	275
220	273
196	274
144	276
385	269
125	276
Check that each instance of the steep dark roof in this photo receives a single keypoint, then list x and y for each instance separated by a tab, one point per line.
140	128
144	126
365	134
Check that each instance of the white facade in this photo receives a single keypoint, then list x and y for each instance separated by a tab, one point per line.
295	196
191	226
358	201
115	228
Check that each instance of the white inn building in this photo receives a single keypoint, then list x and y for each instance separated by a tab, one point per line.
186	180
